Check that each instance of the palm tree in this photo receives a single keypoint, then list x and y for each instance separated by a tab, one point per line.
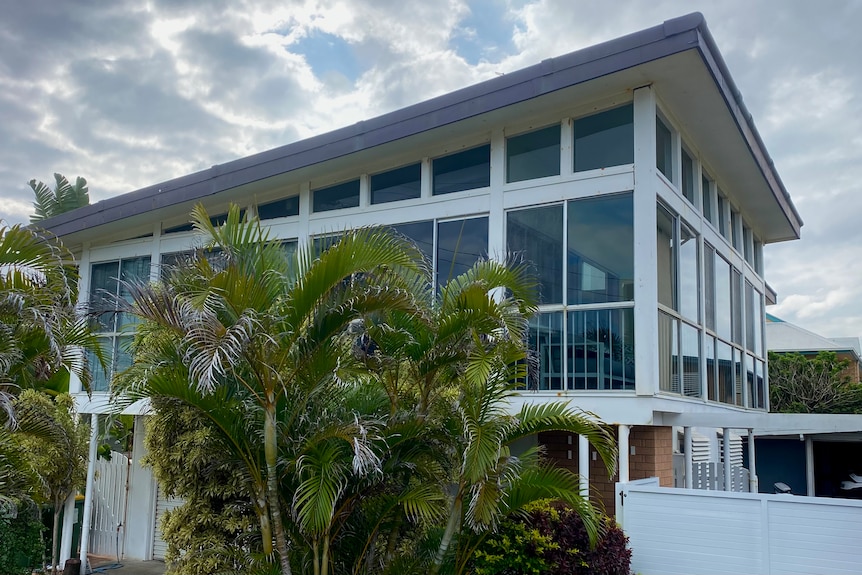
254	336
63	198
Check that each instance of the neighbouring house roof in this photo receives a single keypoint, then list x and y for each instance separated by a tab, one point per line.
783	336
628	59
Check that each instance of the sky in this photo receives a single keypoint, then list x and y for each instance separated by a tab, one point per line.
129	93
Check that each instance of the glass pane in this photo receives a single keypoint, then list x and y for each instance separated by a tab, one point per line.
533	155
689	274
750	382
421	234
759	384
601	349
399	184
706	196
747	244
668	357
104	286
99	381
663	149
736	304
546	347
279	208
711	369
604	139
722	298
709	288
600	257
750	342
759	340
336	197
537	236
123	354
688	177
738	375
665	224
460	244
734	230
722	222
320	244
690	343
133	271
724	354
465	170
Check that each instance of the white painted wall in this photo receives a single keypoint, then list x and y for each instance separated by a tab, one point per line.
140	511
682	531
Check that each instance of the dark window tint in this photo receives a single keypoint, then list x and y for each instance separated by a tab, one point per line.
460	244
687	177
216	221
604	139
537	235
600	253
533	155
104	286
422	234
336	197
663	149
279	208
706	195
463	171
399	184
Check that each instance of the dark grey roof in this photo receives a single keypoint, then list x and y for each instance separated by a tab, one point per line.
672	37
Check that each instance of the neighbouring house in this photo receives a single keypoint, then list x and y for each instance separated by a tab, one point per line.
629	172
818	463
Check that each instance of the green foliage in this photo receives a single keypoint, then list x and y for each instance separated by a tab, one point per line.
552	539
20	537
819	384
65	197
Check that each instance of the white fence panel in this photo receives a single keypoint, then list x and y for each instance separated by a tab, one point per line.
109	505
680	531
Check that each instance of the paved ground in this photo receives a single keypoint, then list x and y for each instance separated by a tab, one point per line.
126	567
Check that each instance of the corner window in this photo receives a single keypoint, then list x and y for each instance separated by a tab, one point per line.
336	197
663	149
604	139
533	155
461	171
394	185
279	208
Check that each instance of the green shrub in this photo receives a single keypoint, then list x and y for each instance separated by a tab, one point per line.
551	539
20	539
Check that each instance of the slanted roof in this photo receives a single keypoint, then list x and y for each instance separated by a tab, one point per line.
783	336
679	57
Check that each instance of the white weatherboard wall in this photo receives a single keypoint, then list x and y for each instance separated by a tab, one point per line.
683	531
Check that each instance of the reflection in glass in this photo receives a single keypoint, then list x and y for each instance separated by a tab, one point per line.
336	197
463	171
688	188
546	348
736	304
690	344
760	385
600	257
103	287
394	185
663	149
279	208
738	376
706	196
668	356
722	298
724	355
749	381
601	349
711	369
666	262
709	287
460	244
750	318
604	139
421	234
689	274
537	235
533	155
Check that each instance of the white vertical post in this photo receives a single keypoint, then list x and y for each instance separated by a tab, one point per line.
809	465
68	526
88	494
753	484
725	444
689	470
624	453
584	465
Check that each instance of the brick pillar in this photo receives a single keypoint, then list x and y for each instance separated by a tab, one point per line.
653	453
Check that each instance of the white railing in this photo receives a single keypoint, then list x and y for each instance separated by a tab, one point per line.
109	506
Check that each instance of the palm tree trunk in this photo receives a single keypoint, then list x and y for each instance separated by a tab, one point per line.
324	557
451	528
271	452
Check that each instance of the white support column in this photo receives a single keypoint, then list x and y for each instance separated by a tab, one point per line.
496	212
66	534
753	484
809	465
88	494
584	465
689	472
725	444
623	434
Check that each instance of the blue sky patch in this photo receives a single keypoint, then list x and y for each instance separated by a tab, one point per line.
485	34
328	54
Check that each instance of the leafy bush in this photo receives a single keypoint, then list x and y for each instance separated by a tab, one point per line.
552	540
20	538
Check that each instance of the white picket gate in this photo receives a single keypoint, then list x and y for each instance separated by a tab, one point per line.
683	531
109	505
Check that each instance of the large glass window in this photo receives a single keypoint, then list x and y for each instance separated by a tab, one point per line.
398	184
422	234
600	256
545	340
663	149
465	170
666	262
736	306
601	349
690	346
533	155
345	195
537	235
706	198
109	284
735	230
688	181
722	218
709	286
668	352
689	275
279	208
460	244
726	386
604	139
723	309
